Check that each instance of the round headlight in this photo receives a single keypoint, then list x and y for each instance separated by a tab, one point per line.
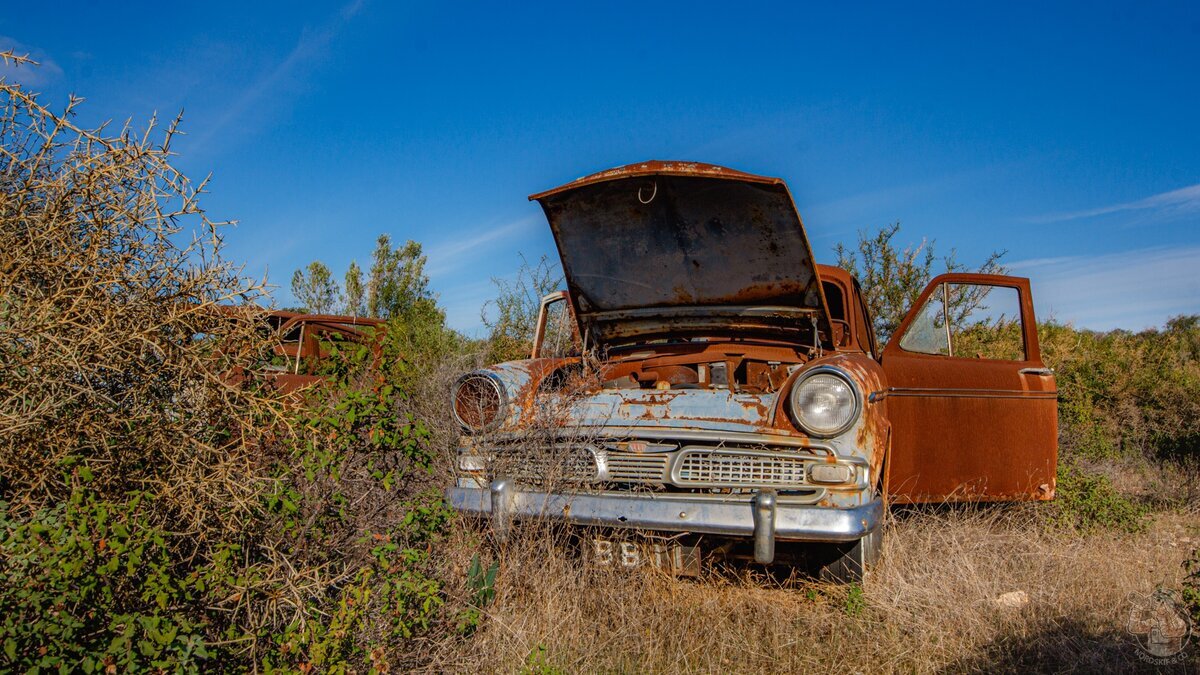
478	401
824	403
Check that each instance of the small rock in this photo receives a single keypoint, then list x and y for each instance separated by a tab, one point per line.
1013	599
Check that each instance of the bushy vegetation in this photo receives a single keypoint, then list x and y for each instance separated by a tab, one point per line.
512	316
1126	400
395	285
157	509
1128	395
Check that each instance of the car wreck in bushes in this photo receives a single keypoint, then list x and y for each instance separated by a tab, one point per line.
715	391
296	344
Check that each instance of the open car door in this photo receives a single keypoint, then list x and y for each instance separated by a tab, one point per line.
973	408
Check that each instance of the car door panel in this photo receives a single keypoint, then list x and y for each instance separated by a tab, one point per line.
969	428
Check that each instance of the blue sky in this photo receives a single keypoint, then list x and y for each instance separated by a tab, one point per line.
1067	136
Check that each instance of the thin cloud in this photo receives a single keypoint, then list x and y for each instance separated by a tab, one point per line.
310	45
27	74
1132	290
866	206
464	304
1183	200
450	255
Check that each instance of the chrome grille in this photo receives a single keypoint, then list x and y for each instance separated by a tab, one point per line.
690	467
628	466
718	468
554	464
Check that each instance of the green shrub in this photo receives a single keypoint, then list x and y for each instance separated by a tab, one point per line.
856	601
537	663
1087	501
95	584
1127	395
356	492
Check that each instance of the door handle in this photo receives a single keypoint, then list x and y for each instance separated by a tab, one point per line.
1044	372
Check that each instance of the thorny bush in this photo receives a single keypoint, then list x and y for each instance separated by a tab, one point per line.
157	511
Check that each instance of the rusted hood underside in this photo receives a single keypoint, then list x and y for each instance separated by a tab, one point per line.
675	248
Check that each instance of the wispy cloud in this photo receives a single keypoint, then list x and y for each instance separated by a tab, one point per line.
464	304
311	44
29	75
450	255
1183	200
862	206
880	206
1133	289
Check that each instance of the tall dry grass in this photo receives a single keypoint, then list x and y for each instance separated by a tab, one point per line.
930	607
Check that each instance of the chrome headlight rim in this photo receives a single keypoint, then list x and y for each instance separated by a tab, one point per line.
825	370
501	396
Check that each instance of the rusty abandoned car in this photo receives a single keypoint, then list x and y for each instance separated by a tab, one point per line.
299	342
719	392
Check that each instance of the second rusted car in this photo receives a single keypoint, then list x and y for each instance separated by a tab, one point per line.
718	391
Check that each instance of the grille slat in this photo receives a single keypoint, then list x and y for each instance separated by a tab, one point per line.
715	468
632	467
554	464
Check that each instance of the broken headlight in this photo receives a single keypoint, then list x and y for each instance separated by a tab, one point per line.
824	402
479	401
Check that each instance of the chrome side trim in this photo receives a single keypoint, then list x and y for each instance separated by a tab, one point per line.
935	392
728	516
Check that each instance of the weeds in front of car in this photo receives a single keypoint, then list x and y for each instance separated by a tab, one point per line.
855	601
481	588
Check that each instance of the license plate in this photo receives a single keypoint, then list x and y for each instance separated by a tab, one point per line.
668	556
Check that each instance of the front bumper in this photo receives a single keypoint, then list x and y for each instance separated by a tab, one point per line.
761	516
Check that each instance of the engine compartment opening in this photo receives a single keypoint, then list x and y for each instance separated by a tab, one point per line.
737	366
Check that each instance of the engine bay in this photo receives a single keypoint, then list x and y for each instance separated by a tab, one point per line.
737	366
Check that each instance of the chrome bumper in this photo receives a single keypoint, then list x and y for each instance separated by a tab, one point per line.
762	517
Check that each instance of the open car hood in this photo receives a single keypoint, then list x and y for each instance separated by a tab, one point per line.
680	249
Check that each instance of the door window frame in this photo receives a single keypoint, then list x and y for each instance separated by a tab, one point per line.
1025	298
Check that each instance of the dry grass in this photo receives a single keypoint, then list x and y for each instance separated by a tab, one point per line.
930	607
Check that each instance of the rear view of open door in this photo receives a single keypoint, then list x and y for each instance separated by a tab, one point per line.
973	408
